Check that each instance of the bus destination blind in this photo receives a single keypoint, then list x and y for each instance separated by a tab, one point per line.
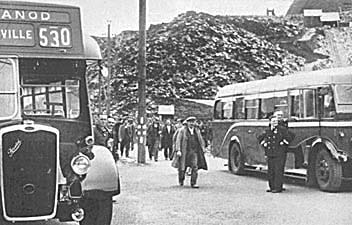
27	28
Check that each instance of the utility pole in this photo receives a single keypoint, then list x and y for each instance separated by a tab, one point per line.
142	127
100	86
108	89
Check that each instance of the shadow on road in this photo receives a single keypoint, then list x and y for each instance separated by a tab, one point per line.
346	185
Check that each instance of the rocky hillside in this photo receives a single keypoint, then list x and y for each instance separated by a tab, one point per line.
196	53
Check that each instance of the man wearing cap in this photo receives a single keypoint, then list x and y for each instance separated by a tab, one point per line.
190	148
101	132
275	140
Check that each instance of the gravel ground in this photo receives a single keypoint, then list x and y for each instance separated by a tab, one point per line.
151	195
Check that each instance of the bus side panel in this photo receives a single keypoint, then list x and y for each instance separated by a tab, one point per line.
303	131
219	129
253	153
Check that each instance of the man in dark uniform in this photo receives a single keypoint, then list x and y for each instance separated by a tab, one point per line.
298	152
275	140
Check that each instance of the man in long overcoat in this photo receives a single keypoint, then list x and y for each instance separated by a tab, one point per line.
190	149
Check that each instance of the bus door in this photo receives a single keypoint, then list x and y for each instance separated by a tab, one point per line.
303	122
326	113
251	129
223	119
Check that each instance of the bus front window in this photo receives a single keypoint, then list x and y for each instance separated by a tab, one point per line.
7	89
59	99
344	98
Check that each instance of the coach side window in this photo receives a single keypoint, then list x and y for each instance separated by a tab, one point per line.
239	109
218	110
267	106
303	103
309	103
228	110
281	104
252	106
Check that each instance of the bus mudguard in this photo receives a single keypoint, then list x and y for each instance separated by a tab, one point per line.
235	139
339	155
103	174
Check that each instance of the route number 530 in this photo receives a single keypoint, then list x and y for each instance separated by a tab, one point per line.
55	36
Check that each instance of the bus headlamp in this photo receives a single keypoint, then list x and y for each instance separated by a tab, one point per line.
80	164
89	140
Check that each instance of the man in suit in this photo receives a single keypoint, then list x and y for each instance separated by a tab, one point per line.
166	139
126	134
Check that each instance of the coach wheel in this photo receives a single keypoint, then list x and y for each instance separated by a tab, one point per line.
328	171
235	164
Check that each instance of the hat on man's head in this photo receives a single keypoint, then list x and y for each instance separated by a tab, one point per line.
111	120
104	117
191	118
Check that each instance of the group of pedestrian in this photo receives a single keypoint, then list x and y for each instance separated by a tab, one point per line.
116	135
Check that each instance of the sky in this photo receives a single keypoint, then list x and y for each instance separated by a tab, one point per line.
124	14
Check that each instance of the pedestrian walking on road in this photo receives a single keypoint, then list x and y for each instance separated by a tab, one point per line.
153	139
101	132
166	139
275	140
116	137
190	149
126	135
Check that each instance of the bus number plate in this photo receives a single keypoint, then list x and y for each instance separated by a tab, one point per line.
55	36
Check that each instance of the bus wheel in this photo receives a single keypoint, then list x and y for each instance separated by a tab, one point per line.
328	171
97	211
235	163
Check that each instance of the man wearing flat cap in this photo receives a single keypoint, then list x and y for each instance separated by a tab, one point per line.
190	148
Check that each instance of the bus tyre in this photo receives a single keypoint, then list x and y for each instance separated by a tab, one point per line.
235	163
97	211
328	171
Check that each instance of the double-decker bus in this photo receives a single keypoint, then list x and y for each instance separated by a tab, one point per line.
317	107
49	165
